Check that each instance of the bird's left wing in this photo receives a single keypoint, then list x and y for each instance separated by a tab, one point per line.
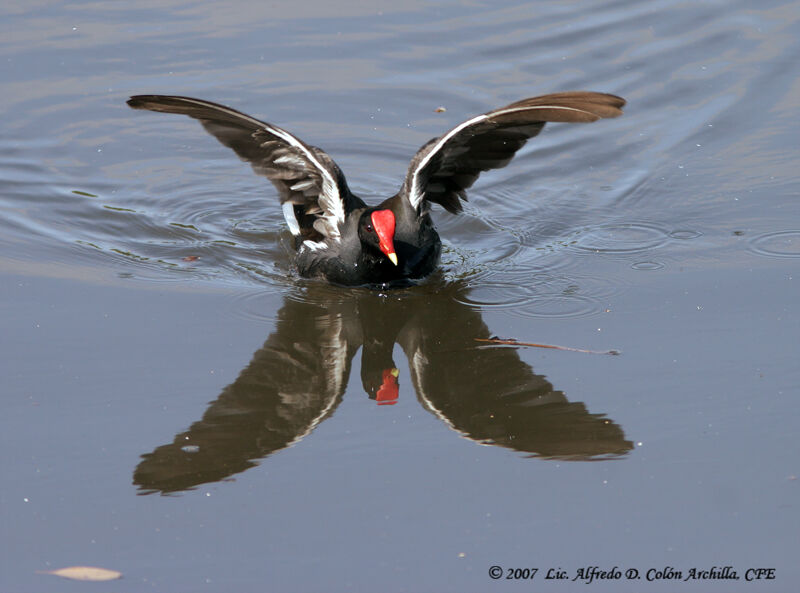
312	188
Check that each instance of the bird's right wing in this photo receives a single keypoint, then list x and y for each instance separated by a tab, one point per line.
445	167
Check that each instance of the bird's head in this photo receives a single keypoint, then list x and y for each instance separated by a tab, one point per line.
376	228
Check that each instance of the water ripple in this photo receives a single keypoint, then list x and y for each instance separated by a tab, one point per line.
495	294
685	234
647	265
621	238
540	292
777	244
559	305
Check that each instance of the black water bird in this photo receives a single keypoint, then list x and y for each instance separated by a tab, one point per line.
338	236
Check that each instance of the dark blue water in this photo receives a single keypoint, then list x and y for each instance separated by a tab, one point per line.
179	406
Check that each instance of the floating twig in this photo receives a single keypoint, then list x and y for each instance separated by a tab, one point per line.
515	342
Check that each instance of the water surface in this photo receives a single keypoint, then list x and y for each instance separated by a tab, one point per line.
181	407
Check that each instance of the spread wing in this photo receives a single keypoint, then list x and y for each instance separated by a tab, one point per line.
445	167
312	188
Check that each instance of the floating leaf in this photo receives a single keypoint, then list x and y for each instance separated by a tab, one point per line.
440	110
191	258
83	193
85	573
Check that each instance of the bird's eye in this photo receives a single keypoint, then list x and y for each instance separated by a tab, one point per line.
369	228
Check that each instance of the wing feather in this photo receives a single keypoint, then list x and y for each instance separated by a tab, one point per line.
306	178
445	167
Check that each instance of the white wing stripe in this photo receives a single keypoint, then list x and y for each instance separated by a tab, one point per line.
535	107
329	197
416	190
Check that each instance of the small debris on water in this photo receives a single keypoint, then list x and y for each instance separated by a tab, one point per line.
84	573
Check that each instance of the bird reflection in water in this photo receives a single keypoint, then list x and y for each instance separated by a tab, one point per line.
297	379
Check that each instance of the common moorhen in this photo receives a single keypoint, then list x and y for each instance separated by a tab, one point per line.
338	236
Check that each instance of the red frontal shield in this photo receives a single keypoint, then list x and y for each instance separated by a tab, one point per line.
383	221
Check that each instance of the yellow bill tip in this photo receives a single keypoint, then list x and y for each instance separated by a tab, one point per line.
393	257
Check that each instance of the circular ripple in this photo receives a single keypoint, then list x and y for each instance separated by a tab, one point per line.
685	234
647	265
261	305
780	244
620	238
558	306
492	295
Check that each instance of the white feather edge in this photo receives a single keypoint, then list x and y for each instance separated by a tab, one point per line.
329	197
291	219
314	245
416	189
